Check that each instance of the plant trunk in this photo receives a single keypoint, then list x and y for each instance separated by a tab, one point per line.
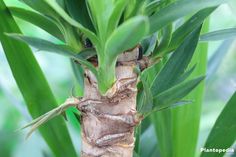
108	121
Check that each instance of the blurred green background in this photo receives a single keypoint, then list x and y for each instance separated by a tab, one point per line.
220	84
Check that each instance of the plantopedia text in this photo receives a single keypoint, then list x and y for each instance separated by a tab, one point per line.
217	150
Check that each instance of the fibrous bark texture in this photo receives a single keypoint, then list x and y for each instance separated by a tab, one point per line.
108	121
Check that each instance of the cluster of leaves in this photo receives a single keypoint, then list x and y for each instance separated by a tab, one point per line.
112	26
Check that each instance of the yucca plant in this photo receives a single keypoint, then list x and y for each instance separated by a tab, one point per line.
133	62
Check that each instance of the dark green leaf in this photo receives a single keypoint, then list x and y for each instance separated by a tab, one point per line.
41	21
177	10
175	94
148	44
148	98
33	86
78	11
180	34
185	75
137	147
182	116
61	13
41	6
44	45
222	135
176	65
219	35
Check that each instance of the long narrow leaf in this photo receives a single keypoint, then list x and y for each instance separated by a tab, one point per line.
223	133
176	65
78	11
59	49
217	58
39	20
175	94
126	36
177	10
219	35
60	12
195	21
33	86
185	120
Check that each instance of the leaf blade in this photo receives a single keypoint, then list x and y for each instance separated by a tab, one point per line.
179	9
39	20
219	35
223	134
175	94
39	99
176	65
126	36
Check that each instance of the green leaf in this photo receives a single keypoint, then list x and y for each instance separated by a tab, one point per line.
149	143
222	135
176	65
41	6
44	45
78	11
148	44
219	35
137	147
180	34
147	97
79	75
217	58
152	7
126	36
101	11
61	13
175	94
33	86
41	21
116	15
59	49
182	116
177	10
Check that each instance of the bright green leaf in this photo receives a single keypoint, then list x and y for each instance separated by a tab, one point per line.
33	86
101	11
126	36
116	15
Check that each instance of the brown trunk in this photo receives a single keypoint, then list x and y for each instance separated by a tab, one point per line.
108	121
